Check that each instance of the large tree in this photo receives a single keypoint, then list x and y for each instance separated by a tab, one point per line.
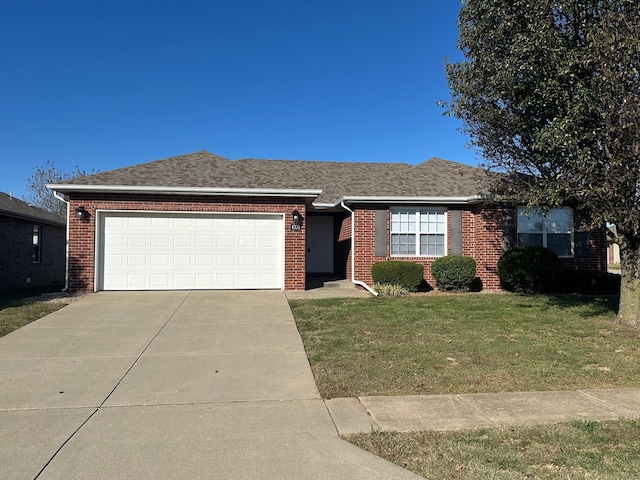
38	193
549	93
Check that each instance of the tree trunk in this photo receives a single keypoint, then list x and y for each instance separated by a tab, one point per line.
629	308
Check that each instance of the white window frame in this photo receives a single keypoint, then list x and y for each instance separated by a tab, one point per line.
546	230
36	243
413	221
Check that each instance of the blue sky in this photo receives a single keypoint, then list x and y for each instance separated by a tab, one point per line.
107	84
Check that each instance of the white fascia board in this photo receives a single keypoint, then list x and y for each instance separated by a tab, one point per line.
254	192
414	200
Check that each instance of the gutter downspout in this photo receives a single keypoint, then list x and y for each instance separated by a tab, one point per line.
66	267
353	253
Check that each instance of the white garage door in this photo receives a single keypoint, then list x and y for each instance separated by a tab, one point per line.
156	251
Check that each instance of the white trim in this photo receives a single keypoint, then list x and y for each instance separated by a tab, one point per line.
414	200
66	238
99	213
267	192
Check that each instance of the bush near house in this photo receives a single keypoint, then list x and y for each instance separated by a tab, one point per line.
528	269
587	282
454	272
407	275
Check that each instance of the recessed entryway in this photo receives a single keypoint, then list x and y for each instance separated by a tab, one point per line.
319	243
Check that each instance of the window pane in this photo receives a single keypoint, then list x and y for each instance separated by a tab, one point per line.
559	220
432	222
403	221
35	241
530	240
560	244
529	220
403	244
432	245
36	235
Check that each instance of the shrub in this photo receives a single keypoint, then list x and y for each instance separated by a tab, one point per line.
454	272
588	282
407	275
388	290
528	269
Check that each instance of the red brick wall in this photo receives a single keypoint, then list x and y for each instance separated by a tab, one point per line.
595	259
82	240
485	243
481	239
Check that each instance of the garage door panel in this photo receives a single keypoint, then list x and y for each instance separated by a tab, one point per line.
159	221
247	241
226	241
204	260
204	241
114	240
134	281
175	251
137	240
226	260
136	260
182	241
159	240
159	260
114	260
226	280
268	260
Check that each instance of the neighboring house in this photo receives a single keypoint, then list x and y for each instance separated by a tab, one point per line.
32	246
201	221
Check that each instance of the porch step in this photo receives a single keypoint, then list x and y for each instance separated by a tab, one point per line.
346	284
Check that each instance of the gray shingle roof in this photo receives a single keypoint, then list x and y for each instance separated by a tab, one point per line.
15	207
433	178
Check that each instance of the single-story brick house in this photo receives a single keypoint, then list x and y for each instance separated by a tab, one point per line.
32	246
201	221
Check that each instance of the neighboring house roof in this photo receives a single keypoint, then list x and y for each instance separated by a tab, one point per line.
13	207
327	182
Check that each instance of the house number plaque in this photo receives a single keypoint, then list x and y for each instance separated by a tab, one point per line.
295	227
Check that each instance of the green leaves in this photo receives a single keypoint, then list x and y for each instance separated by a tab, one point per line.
550	88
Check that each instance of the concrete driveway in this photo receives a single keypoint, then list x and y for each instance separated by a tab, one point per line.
169	385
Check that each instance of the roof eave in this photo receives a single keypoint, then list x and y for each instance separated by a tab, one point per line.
251	192
401	200
34	218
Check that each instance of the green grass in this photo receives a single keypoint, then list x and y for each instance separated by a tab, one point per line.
15	314
466	343
572	450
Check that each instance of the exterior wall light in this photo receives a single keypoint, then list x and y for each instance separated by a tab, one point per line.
81	213
296	226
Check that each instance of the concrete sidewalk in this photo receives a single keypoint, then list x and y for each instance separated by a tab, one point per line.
482	410
169	385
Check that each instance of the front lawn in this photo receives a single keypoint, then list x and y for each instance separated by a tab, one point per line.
466	343
18	313
470	343
574	450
